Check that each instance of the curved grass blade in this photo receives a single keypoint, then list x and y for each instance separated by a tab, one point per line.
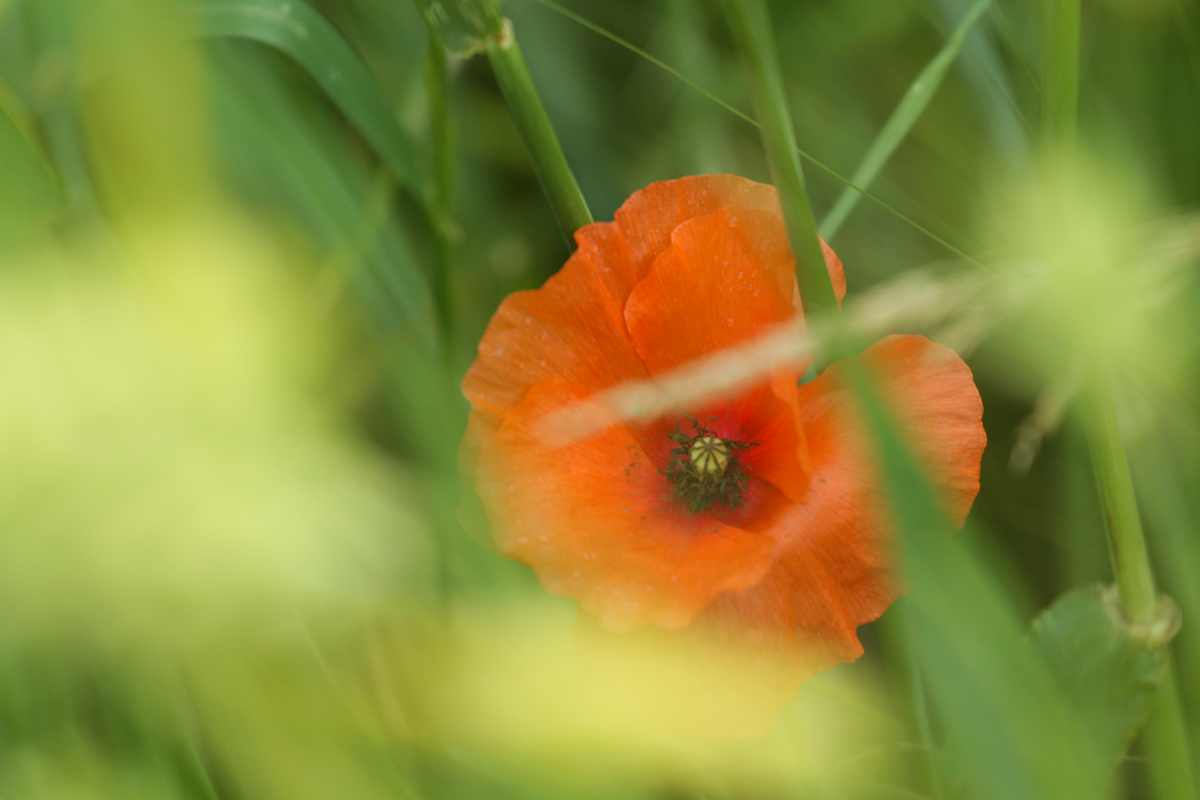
571	15
1010	731
304	34
911	106
279	145
986	76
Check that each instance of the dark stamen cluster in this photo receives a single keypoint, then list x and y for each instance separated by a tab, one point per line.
705	468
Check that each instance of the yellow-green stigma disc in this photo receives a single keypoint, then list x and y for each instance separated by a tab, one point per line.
709	456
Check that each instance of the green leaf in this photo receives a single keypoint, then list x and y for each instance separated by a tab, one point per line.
911	106
1107	666
304	34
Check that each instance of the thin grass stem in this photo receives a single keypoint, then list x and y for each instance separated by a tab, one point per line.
441	136
477	26
549	162
1010	38
1165	732
1166	737
1127	543
533	123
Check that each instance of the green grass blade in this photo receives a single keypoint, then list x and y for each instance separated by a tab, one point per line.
1010	732
305	35
911	106
1164	475
985	74
1187	30
277	144
441	135
571	15
1165	738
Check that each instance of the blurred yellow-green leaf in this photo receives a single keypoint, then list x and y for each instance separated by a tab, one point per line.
249	247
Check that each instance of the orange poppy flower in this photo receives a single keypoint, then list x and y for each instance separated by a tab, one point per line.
758	516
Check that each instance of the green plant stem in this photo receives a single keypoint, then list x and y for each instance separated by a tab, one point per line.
532	122
752	31
441	136
480	26
1165	733
1131	560
1060	81
1127	543
1165	737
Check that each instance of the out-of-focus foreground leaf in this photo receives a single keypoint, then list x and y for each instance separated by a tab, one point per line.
1009	731
300	31
28	190
1108	667
276	142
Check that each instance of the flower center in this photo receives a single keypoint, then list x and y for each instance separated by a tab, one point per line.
705	468
709	456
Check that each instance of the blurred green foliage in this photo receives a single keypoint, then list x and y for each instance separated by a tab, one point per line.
247	248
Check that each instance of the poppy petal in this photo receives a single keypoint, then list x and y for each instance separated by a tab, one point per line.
934	396
726	278
830	569
649	216
597	521
780	454
572	329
